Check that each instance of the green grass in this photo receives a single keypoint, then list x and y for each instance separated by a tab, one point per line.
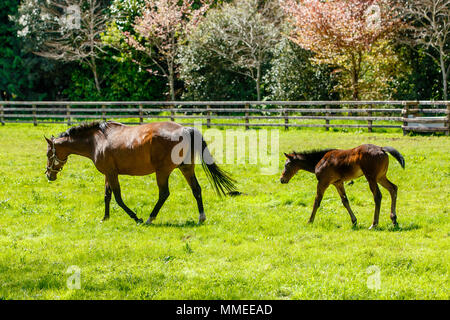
256	246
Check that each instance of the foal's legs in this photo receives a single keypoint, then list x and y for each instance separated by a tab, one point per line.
189	173
321	187
162	179
107	199
341	190
113	181
377	197
392	188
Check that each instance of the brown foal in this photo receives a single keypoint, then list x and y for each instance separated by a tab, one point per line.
334	166
159	147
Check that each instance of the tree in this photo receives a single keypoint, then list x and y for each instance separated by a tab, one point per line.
429	27
159	32
207	76
242	33
23	75
66	30
341	32
292	76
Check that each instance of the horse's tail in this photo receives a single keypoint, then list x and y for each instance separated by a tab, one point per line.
221	180
397	155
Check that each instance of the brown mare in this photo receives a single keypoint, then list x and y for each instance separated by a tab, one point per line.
334	166
158	147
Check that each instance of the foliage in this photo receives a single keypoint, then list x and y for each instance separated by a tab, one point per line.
22	74
294	77
341	32
242	35
429	28
122	81
159	32
67	30
421	77
239	51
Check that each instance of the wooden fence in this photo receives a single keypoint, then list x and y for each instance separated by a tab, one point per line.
419	116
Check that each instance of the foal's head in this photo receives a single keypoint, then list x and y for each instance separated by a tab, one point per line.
306	160
54	164
291	166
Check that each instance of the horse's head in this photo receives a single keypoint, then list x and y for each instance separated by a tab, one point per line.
291	166
54	164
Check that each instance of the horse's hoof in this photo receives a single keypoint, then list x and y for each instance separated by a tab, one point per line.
139	221
201	218
149	221
105	219
373	226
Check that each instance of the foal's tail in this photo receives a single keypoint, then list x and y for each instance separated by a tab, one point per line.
396	155
221	180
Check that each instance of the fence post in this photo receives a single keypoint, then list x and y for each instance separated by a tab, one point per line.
68	115
405	113
2	115
208	117
172	114
369	122
327	121
286	119
103	112
34	115
246	117
141	114
448	119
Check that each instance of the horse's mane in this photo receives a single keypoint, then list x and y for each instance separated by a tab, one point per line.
311	156
86	127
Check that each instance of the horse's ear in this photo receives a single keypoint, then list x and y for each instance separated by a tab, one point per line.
289	156
48	140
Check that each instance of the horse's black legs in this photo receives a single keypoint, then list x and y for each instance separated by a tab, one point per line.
341	190
189	173
392	188
321	187
162	180
107	199
113	181
377	197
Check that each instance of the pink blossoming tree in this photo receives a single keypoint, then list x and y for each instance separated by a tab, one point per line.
341	32
160	30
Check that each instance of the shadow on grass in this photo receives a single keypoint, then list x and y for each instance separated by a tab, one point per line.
390	228
185	224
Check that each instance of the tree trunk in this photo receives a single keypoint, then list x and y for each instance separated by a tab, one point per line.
258	82
355	77
444	76
171	80
94	71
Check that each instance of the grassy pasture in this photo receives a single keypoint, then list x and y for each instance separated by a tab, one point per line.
256	246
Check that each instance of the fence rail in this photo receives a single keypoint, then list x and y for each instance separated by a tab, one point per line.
420	116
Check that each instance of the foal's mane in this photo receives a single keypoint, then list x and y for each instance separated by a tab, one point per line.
86	127
311	156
